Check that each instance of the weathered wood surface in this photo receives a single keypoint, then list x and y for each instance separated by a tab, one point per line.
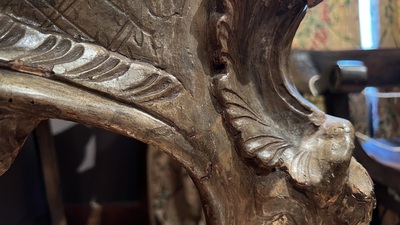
207	82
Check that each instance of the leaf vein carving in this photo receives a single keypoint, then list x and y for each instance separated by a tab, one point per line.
86	64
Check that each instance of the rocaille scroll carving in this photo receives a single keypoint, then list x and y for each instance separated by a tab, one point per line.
253	114
207	82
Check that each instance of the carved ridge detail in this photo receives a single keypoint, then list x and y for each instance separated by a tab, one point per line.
85	64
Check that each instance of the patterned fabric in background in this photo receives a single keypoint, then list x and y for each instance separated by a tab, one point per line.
332	25
390	23
389	108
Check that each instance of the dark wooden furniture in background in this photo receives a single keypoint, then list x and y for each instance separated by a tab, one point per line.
113	191
376	68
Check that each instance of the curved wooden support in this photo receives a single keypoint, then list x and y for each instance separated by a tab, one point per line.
205	81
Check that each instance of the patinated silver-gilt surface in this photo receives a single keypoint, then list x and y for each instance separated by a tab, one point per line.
206	81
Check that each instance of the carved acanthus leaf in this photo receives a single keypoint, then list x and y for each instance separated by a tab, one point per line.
28	50
271	125
111	26
258	138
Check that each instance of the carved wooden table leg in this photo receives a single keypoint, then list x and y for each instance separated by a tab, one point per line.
205	81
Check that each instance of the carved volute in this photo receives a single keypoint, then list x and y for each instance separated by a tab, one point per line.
207	82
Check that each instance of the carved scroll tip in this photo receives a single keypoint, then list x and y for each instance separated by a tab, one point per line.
360	182
5	163
312	3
